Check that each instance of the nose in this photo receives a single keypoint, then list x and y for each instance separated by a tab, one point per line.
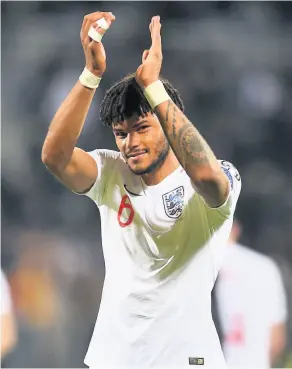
132	140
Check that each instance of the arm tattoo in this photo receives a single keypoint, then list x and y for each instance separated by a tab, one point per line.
173	118
173	123
192	145
167	111
193	153
187	143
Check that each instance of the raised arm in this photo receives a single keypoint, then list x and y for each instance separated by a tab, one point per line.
189	146
72	166
194	154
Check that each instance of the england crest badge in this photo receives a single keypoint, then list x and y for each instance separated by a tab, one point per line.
173	202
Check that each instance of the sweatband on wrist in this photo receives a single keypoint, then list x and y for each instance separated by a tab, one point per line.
89	79
156	94
94	34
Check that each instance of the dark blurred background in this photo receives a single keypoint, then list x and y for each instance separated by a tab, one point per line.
232	63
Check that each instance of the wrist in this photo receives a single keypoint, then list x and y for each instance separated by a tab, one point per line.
96	72
89	79
156	93
145	84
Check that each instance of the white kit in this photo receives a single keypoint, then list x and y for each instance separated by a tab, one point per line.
162	248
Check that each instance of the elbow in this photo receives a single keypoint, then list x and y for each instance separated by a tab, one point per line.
215	190
47	157
50	159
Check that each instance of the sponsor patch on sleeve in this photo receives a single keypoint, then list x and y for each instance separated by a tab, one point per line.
230	171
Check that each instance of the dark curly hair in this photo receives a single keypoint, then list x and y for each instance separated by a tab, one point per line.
125	98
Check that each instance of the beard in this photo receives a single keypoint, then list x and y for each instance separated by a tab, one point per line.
157	163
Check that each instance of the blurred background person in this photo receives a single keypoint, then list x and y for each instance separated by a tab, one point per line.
252	306
8	323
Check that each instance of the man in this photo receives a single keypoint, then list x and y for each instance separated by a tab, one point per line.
8	326
165	204
252	307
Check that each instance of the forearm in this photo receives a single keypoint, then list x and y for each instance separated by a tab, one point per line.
66	126
193	152
277	342
189	146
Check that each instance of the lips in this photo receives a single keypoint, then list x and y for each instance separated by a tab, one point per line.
137	154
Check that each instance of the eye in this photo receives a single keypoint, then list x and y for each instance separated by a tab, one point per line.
121	134
142	128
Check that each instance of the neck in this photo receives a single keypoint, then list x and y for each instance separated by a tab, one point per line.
170	165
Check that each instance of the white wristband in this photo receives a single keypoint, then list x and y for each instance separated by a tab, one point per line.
94	34
156	94
89	79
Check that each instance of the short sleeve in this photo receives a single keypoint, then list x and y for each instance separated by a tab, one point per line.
5	295
105	162
228	208
277	306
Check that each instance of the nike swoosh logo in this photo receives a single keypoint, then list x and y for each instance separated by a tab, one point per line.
131	193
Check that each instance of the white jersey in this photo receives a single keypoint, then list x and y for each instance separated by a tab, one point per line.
251	299
162	248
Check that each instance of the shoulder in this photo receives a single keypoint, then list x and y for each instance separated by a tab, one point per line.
107	160
226	164
252	269
254	259
112	166
231	171
106	154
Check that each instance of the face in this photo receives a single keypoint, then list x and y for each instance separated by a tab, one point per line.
142	142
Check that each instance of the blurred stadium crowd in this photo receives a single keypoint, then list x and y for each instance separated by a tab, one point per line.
232	63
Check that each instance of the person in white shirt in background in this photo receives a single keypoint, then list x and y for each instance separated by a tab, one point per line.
252	306
8	326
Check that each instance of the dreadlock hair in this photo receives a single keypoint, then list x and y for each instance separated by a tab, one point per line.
125	98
